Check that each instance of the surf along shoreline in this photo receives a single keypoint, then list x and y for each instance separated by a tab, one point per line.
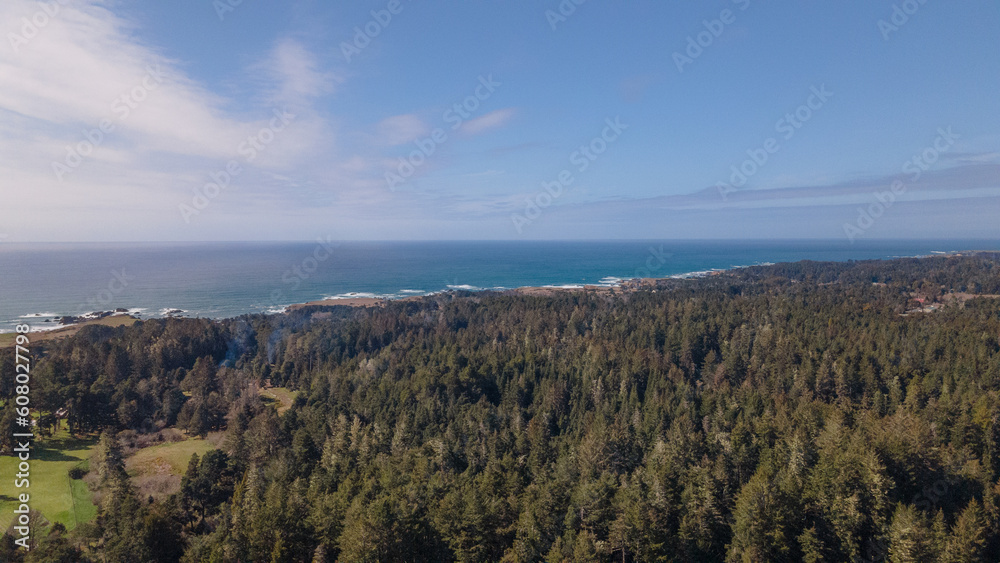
72	325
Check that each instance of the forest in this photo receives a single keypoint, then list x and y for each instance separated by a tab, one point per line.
795	412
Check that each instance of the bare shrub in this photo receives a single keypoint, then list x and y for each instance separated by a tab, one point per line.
157	486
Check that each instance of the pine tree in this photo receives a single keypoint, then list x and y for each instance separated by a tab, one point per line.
763	522
122	518
910	537
968	536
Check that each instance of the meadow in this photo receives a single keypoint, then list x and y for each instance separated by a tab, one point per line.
52	492
281	397
157	470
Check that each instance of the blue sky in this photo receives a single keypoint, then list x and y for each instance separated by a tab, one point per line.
248	122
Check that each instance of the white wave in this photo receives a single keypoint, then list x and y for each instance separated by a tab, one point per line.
47	327
610	280
351	295
171	311
41	327
689	275
39	316
566	286
412	291
463	287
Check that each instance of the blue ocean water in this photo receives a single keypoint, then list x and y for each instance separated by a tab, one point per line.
41	282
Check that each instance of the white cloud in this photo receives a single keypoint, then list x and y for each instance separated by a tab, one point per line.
489	121
59	85
295	74
85	66
164	137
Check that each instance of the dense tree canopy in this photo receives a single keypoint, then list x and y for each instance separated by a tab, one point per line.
796	412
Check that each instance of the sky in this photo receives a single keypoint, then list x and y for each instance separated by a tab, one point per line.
199	120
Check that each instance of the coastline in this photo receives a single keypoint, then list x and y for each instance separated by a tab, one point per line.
345	301
609	285
620	285
7	339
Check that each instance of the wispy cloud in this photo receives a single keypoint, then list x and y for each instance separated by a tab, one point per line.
139	130
85	66
294	74
400	129
98	122
489	121
963	180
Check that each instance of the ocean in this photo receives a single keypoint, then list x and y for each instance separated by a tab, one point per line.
41	282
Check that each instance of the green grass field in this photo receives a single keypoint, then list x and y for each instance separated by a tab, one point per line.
53	493
156	471
280	395
167	458
61	499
